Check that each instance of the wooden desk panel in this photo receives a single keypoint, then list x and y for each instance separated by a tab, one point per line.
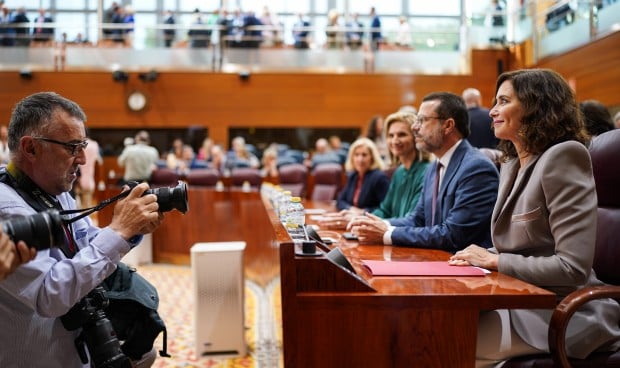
331	320
215	216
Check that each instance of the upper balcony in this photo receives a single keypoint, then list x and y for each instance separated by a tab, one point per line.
430	45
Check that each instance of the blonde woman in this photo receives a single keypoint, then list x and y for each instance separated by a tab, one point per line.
366	184
406	183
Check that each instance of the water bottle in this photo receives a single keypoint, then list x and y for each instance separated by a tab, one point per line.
283	204
296	214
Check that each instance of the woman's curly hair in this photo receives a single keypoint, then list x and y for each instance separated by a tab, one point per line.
550	112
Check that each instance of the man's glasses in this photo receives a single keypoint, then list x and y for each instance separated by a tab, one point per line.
420	120
74	147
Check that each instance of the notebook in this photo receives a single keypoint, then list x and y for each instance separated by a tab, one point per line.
432	268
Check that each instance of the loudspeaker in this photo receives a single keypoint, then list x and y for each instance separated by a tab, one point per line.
217	272
500	66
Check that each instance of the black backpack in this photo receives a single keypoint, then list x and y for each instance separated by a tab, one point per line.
132	309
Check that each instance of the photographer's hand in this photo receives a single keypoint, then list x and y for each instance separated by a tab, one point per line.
11	255
136	214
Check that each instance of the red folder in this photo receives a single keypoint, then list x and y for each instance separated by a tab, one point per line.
396	268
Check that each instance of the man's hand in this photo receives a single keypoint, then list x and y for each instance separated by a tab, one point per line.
136	214
11	256
368	228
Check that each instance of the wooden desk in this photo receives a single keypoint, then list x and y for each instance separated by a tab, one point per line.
215	216
334	319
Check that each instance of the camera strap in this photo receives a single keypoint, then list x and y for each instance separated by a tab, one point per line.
36	198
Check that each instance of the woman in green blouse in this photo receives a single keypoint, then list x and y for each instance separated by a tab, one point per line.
406	183
407	179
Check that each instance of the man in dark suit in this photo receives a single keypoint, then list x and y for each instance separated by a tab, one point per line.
458	212
301	32
480	123
21	24
169	33
41	32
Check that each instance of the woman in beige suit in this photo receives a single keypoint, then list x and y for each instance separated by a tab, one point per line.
544	221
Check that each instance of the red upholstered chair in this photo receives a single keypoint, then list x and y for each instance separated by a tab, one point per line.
605	151
294	177
327	181
202	177
240	175
163	177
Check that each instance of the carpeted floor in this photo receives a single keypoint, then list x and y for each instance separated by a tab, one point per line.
262	321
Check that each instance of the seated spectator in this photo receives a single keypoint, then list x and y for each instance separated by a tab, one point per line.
218	159
270	162
366	184
322	154
240	156
41	32
199	35
204	152
596	116
301	32
355	32
175	154
375	133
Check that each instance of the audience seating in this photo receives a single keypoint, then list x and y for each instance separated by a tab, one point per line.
294	177
163	177
240	175
202	177
604	150
327	181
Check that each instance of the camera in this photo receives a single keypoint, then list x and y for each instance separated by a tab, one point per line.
41	230
98	335
171	198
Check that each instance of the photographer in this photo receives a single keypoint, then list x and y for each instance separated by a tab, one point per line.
47	141
12	255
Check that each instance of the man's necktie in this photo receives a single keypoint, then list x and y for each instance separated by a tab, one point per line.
435	191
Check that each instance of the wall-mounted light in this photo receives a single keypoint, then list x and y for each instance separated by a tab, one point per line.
149	76
25	73
120	76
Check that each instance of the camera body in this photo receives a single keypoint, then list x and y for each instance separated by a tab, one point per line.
41	230
98	335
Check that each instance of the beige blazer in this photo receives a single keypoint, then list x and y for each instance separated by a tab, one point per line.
544	229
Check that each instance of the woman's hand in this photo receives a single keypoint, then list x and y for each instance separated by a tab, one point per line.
476	256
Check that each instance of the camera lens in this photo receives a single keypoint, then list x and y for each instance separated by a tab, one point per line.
41	230
171	198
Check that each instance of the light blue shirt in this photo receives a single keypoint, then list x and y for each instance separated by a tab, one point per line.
34	297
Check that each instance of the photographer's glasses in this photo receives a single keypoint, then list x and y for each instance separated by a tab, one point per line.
74	147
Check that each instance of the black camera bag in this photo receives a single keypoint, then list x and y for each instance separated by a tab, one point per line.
132	309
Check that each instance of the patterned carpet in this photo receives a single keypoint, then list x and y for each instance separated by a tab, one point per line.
262	320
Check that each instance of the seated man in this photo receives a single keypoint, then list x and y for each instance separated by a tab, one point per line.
465	179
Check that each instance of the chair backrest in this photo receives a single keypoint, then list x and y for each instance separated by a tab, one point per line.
240	175
163	177
203	177
294	177
493	154
605	152
327	181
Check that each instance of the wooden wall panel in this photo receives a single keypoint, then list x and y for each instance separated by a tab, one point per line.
219	101
594	69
